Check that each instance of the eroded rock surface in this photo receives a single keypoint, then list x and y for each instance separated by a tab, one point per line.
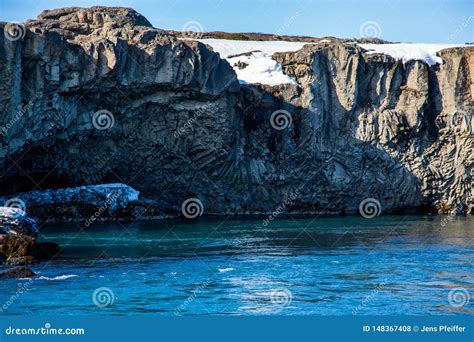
18	239
175	124
14	221
418	118
86	204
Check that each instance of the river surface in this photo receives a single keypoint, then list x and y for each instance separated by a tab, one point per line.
293	266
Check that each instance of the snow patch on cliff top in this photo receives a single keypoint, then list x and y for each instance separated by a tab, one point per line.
252	60
410	51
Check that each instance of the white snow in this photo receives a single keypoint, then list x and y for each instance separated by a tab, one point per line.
410	51
116	195
130	193
261	67
11	213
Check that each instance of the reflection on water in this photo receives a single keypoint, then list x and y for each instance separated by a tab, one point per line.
386	265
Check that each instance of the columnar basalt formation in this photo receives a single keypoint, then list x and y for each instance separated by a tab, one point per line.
97	95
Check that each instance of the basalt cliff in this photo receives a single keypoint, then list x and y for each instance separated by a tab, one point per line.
97	95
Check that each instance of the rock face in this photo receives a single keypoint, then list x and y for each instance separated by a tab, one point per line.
87	204
14	221
18	242
97	95
405	130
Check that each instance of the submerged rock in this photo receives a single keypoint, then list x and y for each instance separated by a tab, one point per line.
16	272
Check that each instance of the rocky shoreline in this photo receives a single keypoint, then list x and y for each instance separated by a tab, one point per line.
19	243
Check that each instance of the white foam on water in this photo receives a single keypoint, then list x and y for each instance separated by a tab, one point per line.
61	277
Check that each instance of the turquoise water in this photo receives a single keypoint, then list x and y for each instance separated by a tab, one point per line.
304	266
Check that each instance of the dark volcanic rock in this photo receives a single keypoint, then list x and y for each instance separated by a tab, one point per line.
96	17
72	204
18	244
45	250
16	272
15	221
93	96
92	204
